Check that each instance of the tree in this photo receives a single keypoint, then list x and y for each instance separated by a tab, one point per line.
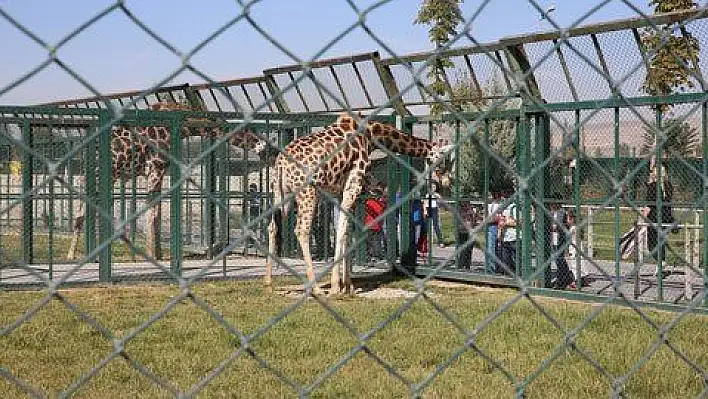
442	16
679	138
673	56
673	52
501	144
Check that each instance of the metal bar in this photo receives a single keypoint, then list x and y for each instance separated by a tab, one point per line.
507	81
113	96
322	63
89	196
485	155
566	71
209	210
473	75
363	85
659	205
175	195
320	92
519	64
603	64
408	249
265	96
339	86
248	97
105	198
232	97
704	201
390	88
229	83
276	95
27	201
576	195
524	197
216	101
422	91
621	102
616	226
543	222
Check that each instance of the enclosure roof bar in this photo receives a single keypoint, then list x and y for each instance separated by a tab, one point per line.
609	26
566	71
323	63
115	96
230	82
603	64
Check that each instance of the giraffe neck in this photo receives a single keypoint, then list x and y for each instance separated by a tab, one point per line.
398	141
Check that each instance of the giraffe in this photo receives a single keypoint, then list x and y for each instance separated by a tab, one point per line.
317	162
141	150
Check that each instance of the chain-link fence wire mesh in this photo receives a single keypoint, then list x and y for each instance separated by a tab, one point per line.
609	165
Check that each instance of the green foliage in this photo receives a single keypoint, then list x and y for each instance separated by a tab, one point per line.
501	145
673	53
442	16
661	6
677	138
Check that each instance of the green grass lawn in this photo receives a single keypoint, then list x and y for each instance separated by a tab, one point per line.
58	250
55	347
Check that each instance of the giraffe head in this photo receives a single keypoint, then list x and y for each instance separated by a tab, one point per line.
266	151
436	159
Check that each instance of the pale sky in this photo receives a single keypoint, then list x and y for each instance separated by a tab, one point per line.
114	55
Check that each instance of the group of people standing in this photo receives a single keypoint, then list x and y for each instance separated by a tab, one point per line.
504	237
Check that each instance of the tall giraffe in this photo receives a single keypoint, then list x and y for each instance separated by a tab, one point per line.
323	161
142	151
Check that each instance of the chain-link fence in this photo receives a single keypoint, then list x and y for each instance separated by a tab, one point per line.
565	179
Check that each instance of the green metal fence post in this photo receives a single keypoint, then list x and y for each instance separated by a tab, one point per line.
704	200
408	249
176	195
616	224
488	257
27	201
659	206
576	194
209	211
89	197
541	180
392	220
105	197
524	198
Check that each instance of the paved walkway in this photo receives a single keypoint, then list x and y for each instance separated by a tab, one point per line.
600	276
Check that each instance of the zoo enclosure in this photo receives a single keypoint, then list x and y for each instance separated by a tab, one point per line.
539	129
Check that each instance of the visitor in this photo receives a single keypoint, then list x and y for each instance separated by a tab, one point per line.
509	238
656	242
418	225
373	220
433	202
559	236
491	263
467	224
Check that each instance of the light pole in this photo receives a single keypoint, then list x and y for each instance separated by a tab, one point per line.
545	14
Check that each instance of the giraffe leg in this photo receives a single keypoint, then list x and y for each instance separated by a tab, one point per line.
275	234
306	204
154	215
352	188
340	253
78	226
